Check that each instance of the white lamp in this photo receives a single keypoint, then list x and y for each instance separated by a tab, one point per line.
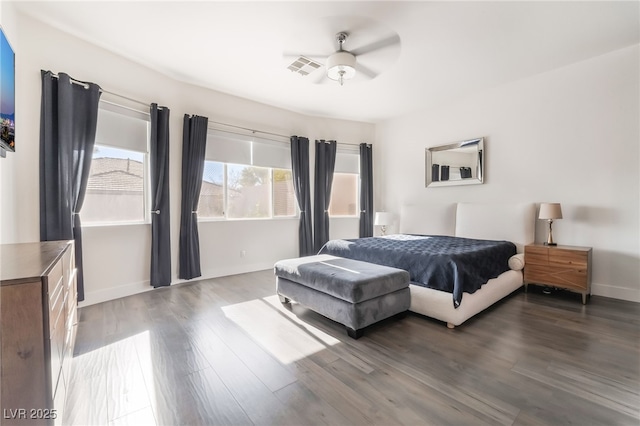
342	64
382	219
550	211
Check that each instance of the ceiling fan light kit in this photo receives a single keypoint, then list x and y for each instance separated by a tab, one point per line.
341	65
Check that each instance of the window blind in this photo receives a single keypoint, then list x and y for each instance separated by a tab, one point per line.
347	160
232	148
121	127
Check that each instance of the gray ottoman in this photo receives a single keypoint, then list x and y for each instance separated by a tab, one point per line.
353	293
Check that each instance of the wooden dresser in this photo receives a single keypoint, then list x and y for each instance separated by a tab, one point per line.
38	302
565	267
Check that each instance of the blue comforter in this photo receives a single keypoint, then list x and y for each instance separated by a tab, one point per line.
450	264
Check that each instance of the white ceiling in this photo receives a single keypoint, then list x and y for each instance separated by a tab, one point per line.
447	50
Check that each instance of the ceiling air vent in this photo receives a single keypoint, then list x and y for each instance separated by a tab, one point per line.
303	66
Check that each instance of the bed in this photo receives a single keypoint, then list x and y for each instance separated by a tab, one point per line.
510	227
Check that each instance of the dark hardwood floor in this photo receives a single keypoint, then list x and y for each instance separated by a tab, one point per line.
225	351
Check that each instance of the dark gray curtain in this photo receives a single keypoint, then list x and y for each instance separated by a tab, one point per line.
366	190
68	120
194	142
160	220
325	164
300	169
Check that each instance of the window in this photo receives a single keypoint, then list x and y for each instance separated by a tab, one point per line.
117	186
248	192
246	178
284	197
345	189
211	203
344	195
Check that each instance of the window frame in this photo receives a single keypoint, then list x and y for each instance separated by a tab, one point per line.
146	178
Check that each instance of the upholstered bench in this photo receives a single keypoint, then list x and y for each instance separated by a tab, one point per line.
353	293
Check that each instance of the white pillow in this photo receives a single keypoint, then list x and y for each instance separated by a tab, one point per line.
516	262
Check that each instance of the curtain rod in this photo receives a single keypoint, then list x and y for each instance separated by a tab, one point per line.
86	86
264	132
243	134
248	129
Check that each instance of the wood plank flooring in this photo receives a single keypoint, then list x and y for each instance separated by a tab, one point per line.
225	351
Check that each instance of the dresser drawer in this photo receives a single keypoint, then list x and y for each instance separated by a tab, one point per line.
54	280
56	304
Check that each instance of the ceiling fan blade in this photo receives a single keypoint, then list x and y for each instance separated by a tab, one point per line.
380	44
368	72
319	76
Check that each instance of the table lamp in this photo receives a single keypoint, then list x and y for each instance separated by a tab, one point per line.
548	212
382	219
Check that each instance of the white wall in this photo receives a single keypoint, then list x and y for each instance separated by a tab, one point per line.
570	136
117	257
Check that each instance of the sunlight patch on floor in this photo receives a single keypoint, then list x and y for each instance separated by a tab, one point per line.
125	364
278	330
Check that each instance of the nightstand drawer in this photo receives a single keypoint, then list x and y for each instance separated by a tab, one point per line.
573	258
536	255
569	277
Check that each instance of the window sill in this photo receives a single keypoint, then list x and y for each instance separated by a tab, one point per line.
113	224
247	219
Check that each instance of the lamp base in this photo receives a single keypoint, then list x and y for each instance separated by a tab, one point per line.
550	244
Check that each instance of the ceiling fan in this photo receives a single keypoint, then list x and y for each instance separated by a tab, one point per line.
366	61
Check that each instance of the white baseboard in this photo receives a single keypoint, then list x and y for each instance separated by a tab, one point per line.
91	298
237	269
112	293
622	293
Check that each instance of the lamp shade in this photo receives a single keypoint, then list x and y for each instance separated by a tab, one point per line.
550	211
341	66
382	219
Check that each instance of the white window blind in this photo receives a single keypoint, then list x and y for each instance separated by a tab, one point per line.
347	160
248	150
121	127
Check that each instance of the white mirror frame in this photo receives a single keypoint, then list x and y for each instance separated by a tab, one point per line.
474	158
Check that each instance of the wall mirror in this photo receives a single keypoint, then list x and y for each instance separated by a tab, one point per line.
459	163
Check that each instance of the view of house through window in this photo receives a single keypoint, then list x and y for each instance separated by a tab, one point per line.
115	191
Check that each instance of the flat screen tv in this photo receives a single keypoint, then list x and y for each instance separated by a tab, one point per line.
7	94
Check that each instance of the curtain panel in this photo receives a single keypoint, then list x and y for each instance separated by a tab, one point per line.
194	143
366	190
160	220
325	165
68	121
301	187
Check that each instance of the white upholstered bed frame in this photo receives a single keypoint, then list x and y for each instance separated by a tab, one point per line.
511	222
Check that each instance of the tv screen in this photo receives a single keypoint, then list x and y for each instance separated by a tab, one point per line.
7	94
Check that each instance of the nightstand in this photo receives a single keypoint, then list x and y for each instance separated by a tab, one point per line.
567	267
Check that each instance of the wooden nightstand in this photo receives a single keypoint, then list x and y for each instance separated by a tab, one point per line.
566	267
